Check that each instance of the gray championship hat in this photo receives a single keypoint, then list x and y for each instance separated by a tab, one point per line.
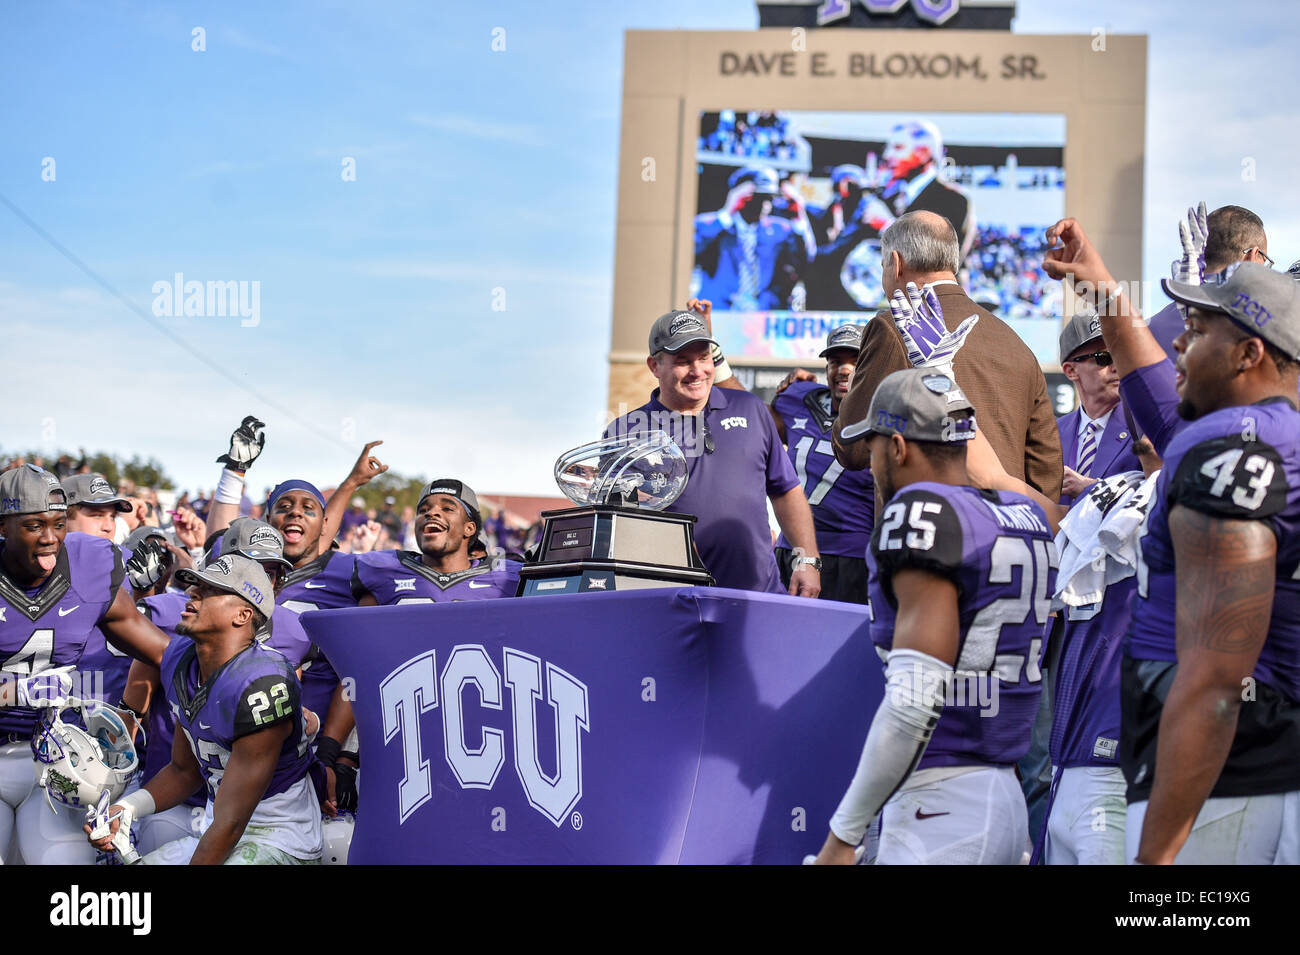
93	489
918	404
1083	327
1262	302
142	534
846	336
457	489
255	539
235	574
673	331
28	489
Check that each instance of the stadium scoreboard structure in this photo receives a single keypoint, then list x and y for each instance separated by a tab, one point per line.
1024	129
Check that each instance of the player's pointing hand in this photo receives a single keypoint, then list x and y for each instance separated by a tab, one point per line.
367	467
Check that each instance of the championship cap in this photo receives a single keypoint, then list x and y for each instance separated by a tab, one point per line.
29	489
918	404
238	575
1084	326
765	180
141	534
846	336
254	539
457	489
93	489
673	331
1262	302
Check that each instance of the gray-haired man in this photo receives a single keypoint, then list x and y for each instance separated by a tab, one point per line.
995	369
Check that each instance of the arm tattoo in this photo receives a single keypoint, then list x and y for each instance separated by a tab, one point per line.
1226	571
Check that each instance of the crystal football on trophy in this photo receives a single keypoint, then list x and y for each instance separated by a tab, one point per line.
619	537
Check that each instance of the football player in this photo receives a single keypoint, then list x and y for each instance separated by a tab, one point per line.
55	588
960	585
843	502
93	507
1210	740
243	731
447	524
257	541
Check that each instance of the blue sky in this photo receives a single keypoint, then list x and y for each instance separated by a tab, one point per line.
475	170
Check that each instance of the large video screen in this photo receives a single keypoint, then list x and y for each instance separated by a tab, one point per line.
790	207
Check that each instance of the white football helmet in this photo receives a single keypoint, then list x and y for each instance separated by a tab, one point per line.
337	834
76	766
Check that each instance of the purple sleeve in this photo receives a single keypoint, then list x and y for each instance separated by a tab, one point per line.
780	472
1150	394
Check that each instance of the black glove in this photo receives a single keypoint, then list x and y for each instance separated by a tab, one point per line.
327	750
148	564
246	443
345	787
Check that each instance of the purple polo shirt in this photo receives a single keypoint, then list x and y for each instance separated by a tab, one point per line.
728	489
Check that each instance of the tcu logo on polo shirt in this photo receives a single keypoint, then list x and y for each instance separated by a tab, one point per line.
734	422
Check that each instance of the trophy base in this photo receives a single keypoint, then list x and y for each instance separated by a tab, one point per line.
588	576
606	547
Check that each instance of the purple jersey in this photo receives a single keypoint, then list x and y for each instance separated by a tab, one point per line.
164	610
103	658
1085	708
843	502
46	627
254	690
997	549
1240	463
399	577
323	584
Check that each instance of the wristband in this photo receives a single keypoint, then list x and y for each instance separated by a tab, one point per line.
230	489
123	705
352	755
721	370
140	803
327	750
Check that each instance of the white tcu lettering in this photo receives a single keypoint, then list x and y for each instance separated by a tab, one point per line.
474	768
568	699
407	692
412	689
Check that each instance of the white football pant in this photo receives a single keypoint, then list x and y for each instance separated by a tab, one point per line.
1233	830
1086	824
956	817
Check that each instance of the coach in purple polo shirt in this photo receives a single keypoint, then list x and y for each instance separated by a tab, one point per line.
735	461
1096	438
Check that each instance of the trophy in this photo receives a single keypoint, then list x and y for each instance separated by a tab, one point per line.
619	536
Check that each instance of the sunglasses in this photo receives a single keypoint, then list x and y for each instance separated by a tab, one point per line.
1102	358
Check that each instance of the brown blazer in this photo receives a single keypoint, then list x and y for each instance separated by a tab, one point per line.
997	371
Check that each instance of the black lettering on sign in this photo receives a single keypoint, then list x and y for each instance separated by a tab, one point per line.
1019	66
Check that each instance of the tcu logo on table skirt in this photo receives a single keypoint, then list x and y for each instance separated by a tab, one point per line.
414	688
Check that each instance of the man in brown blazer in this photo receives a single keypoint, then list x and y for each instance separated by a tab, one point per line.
995	368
